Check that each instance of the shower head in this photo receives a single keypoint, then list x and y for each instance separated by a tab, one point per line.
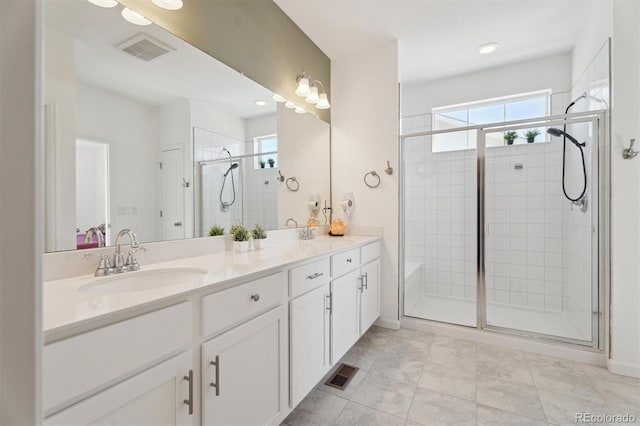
557	133
231	167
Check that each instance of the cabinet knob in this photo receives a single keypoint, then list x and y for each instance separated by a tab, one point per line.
255	297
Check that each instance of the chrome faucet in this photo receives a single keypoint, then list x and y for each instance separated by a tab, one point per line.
98	232
118	258
286	223
306	233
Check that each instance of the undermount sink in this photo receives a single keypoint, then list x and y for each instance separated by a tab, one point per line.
144	280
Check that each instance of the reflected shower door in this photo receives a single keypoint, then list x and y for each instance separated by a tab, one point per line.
540	249
440	248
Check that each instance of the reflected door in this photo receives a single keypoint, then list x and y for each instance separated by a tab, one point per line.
172	194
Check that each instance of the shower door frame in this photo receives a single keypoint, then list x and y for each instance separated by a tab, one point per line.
597	120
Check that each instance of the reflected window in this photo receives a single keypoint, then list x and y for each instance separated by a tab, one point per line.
266	150
496	110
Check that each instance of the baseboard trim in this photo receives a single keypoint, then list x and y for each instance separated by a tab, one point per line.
623	368
507	341
385	323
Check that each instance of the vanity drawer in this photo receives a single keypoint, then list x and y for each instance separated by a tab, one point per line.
232	306
75	366
370	252
345	262
307	277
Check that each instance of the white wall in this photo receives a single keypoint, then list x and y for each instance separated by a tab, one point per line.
303	153
625	191
21	230
60	101
130	129
364	135
91	185
548	72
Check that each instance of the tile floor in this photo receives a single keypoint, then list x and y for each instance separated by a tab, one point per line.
413	378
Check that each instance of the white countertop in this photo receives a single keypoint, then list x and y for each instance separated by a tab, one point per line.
67	310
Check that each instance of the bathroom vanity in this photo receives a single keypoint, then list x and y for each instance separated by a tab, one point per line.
216	339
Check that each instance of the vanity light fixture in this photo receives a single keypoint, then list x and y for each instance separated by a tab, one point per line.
300	110
168	4
290	105
323	102
260	102
303	85
312	97
278	98
487	48
134	17
104	3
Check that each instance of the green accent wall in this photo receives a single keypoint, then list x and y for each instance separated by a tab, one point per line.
254	37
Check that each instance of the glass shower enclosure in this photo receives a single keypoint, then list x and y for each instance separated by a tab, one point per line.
491	238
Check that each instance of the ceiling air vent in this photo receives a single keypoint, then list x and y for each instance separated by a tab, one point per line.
144	47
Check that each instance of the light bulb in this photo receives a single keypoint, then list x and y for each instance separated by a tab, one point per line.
300	110
312	97
278	98
168	4
323	102
488	48
290	105
104	3
134	17
303	87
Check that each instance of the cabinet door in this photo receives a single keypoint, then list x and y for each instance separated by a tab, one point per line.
309	341
245	374
158	396
369	295
344	314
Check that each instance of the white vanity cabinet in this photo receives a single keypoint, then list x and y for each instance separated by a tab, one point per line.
245	369
310	313
162	395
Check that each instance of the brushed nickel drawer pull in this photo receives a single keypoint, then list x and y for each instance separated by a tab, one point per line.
255	297
314	276
365	281
216	385
189	401
328	302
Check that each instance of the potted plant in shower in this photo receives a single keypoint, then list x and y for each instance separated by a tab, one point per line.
531	135
240	237
510	137
271	162
216	230
258	233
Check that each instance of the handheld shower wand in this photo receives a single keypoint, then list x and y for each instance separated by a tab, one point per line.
224	205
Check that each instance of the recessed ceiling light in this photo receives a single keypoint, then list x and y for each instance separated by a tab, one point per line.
134	17
488	48
104	3
168	4
260	102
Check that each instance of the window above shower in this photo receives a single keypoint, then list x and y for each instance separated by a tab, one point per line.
267	148
495	110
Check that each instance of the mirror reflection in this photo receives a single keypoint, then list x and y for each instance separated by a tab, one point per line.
144	131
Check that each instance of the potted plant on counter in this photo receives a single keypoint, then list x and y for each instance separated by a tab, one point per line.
531	135
258	233
216	230
510	137
240	236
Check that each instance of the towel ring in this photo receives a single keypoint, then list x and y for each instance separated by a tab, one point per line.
292	184
376	176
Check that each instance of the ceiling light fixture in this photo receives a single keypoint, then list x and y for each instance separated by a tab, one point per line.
104	3
260	102
168	4
134	17
290	105
278	98
487	48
